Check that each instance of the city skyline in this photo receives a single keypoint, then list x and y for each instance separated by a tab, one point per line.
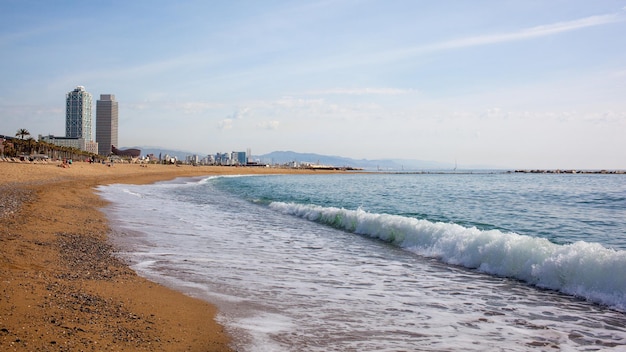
521	84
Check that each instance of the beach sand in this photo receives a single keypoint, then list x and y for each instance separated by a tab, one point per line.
61	289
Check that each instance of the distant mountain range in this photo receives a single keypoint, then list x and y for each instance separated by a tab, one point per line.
282	157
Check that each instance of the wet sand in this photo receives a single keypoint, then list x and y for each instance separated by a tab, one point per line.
61	288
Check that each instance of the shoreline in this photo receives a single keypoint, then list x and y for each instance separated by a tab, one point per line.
62	288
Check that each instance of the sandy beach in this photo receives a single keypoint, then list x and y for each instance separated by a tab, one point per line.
62	289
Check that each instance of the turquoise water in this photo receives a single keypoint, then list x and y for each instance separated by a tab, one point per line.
561	208
387	262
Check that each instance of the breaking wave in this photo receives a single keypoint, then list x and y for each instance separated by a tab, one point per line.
581	269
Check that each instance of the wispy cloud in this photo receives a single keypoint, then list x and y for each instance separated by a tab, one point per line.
527	33
292	102
195	107
231	119
565	116
344	60
189	107
240	113
361	91
225	124
269	125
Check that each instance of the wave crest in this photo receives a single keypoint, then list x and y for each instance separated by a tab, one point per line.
582	269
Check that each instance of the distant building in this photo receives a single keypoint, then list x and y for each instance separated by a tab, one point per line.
78	114
167	159
78	143
193	159
222	159
106	123
239	158
78	127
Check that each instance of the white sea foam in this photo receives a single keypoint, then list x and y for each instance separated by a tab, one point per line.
586	270
283	283
262	326
132	193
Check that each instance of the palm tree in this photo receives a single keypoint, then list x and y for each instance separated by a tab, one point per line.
47	148
30	143
19	144
22	132
9	148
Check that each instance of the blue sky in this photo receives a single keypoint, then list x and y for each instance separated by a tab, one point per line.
519	84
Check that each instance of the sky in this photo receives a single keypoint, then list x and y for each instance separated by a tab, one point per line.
488	83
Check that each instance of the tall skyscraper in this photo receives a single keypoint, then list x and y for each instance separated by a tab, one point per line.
78	114
106	123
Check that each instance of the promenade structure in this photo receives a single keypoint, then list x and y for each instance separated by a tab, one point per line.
106	123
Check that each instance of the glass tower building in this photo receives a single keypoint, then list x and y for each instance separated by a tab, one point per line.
106	123
78	114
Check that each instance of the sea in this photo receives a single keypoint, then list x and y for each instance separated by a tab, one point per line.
457	261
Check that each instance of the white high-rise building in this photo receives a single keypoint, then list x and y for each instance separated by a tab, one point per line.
78	114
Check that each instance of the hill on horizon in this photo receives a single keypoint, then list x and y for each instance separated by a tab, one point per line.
281	157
